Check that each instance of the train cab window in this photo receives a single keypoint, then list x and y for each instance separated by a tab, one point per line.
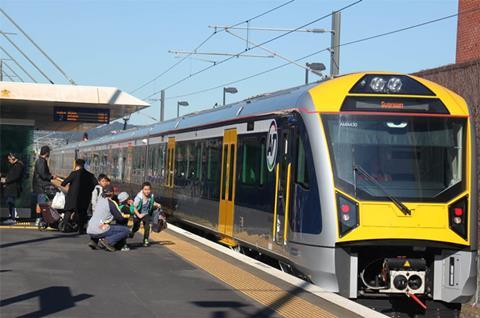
302	170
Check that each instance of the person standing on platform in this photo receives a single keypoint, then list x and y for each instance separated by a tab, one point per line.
41	180
13	186
144	204
81	184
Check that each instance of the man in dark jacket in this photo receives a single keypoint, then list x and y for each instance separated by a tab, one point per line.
41	179
81	184
13	185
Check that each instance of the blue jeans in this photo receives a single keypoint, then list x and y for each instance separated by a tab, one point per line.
115	234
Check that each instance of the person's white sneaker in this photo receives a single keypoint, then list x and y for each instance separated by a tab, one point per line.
9	222
37	222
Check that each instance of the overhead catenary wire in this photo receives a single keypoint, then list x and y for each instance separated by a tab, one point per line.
13	71
38	47
267	50
205	41
251	48
7	75
26	57
18	64
323	50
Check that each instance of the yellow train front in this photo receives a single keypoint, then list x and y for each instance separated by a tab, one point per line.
395	159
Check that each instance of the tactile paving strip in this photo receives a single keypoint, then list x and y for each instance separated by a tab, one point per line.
281	301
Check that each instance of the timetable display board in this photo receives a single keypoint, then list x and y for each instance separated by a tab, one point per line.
82	115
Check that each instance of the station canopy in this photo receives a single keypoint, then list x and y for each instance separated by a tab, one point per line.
64	107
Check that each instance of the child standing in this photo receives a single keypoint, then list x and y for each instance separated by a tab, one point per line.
103	181
143	206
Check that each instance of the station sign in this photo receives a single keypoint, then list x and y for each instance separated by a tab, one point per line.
82	115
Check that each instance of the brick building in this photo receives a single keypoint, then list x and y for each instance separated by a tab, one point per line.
468	31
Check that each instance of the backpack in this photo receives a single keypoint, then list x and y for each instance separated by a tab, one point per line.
90	206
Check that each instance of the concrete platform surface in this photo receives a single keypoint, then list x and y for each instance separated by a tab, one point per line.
55	274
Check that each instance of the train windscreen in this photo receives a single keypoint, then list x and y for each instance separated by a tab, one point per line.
413	158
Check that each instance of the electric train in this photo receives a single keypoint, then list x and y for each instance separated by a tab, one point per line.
364	184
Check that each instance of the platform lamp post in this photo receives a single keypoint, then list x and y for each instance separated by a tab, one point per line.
315	68
230	90
181	103
126	118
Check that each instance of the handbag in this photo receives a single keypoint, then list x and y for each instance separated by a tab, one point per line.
159	222
58	201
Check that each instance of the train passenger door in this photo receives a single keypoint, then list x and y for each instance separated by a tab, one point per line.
227	185
283	194
170	168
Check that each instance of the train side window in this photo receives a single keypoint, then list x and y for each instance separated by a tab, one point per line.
224	181
214	157
192	162
180	161
302	170
262	161
209	163
160	160
198	154
231	172
252	151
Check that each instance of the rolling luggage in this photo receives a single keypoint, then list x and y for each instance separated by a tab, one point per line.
50	216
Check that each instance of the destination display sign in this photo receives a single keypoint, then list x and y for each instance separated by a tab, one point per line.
82	115
389	104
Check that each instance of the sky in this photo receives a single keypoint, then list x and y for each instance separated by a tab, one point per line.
125	44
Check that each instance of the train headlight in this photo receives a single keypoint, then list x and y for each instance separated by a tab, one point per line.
394	84
347	212
377	84
390	84
458	217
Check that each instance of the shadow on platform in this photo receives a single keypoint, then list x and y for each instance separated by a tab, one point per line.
52	300
235	305
38	240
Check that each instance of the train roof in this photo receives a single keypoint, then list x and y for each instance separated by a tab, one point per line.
327	95
259	104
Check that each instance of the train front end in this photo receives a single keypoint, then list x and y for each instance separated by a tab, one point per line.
402	156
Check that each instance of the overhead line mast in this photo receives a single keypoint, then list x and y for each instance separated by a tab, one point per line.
38	47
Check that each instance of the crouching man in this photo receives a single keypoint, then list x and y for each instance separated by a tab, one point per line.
99	227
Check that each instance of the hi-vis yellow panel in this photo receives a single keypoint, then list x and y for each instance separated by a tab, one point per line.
329	95
227	195
383	220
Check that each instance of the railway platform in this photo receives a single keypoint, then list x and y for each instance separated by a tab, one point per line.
180	275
